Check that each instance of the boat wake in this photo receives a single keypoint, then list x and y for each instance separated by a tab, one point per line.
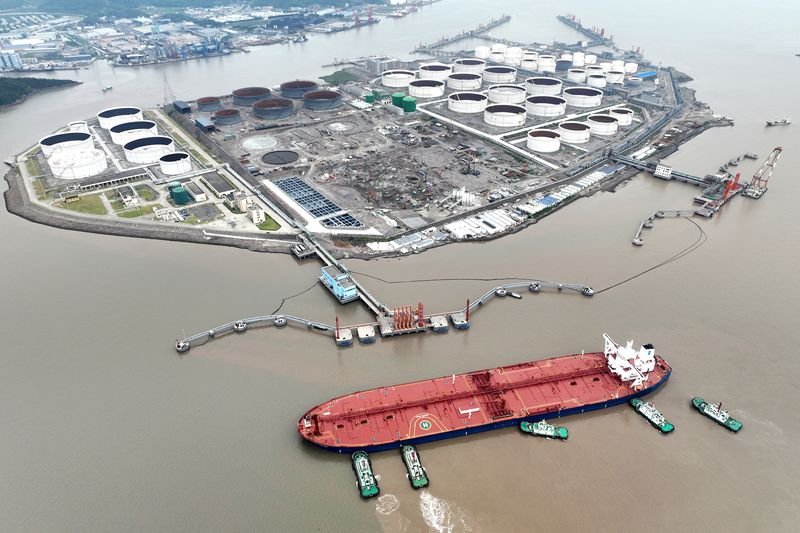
440	515
387	504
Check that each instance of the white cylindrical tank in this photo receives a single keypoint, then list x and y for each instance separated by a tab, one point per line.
175	163
602	125
148	149
498	47
547	86
79	126
435	71
615	76
496	57
117	115
578	75
633	82
464	81
566	56
544	141
499	75
505	115
583	96
623	115
574	132
545	106
578	59
631	68
618	65
66	142
79	164
513	56
397	78
507	94
530	54
606	66
467	102
473	65
129	131
594	69
426	88
482	52
512	61
547	63
530	65
596	80
590	59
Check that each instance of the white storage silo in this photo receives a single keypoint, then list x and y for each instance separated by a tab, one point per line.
583	96
542	85
602	125
507	94
464	81
545	106
505	115
574	132
577	75
623	115
544	141
615	77
467	102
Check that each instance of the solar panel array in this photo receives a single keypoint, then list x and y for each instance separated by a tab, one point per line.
316	204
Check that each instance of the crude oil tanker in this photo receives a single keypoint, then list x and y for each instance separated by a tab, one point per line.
461	404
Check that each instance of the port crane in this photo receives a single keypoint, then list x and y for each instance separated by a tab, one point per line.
758	184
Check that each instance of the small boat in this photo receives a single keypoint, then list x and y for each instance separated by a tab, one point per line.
781	122
107	88
543	429
417	475
716	413
515	295
365	479
649	411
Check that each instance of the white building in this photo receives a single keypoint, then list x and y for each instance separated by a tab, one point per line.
257	215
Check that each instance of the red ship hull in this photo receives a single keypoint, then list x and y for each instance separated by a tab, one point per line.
460	404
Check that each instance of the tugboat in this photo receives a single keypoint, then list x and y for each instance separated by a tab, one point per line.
515	295
417	475
781	122
717	414
543	429
649	411
366	482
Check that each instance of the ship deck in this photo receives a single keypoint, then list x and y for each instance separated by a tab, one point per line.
460	404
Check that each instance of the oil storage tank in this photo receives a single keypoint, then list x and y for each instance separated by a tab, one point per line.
117	115
596	80
482	52
435	71
563	65
397	78
546	86
295	89
227	117
79	125
505	115
467	102
322	100
547	63
209	104
545	106
623	115
544	141
175	163
507	94
577	75
65	142
528	63
473	65
128	131
464	81
499	75
615	76
574	132
148	149
247	96
583	96
78	164
602	124
631	67
578	59
426	88
273	109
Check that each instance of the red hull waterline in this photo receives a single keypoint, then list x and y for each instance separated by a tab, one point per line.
460	404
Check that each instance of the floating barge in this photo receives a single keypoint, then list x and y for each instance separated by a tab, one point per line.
461	404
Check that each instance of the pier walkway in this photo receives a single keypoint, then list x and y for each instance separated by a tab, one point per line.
647	223
436	321
466	34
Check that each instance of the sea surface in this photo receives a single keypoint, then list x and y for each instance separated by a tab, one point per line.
104	428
